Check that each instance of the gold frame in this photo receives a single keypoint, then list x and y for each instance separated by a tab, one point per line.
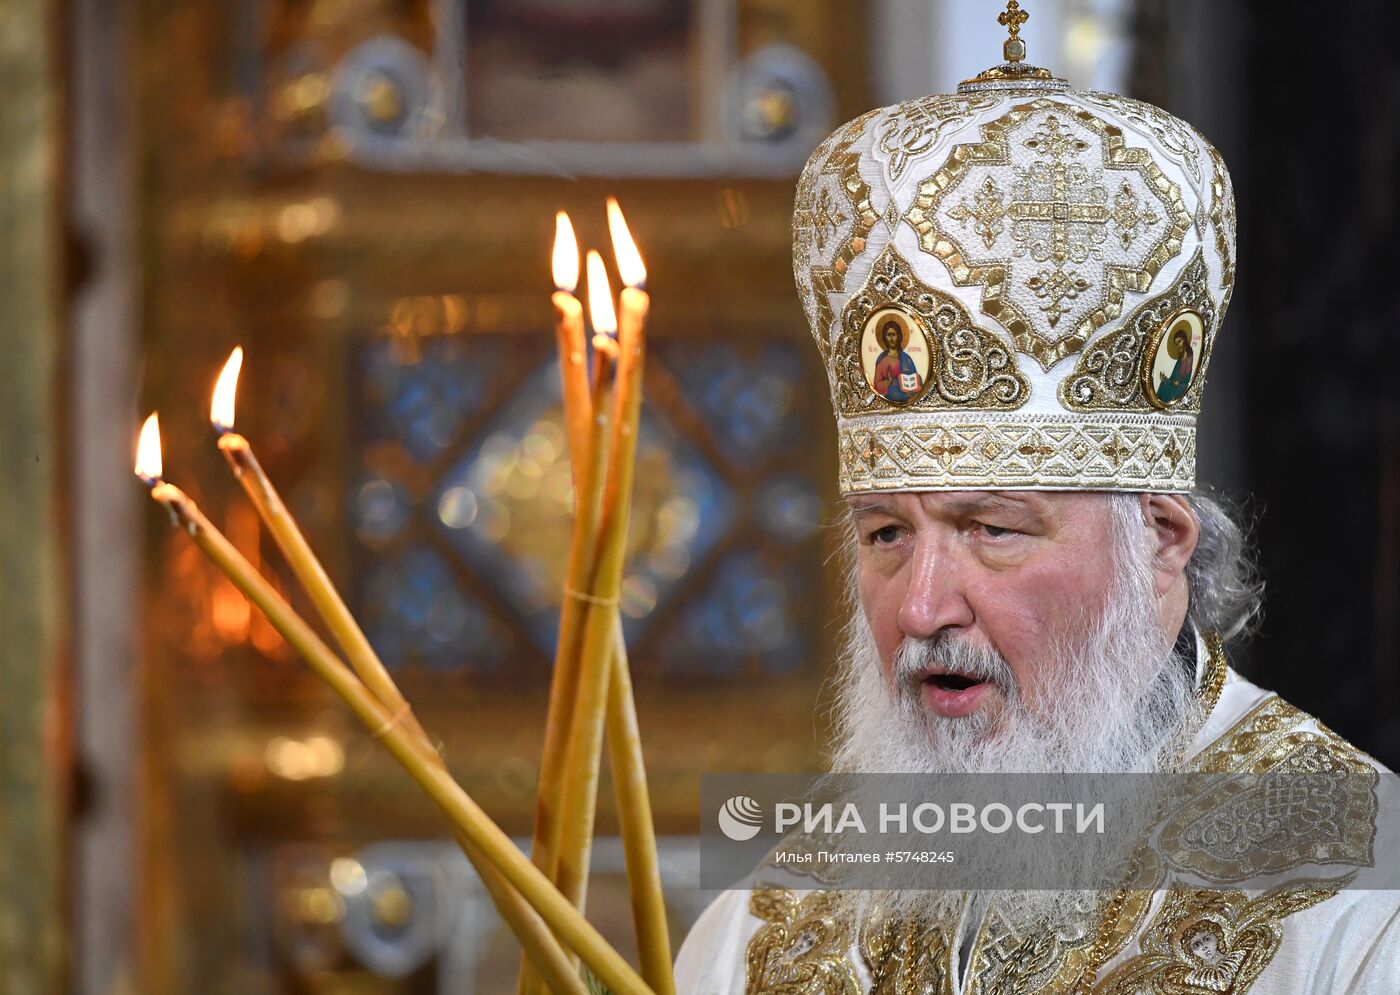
1149	360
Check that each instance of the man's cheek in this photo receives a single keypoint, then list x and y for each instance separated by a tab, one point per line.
1012	618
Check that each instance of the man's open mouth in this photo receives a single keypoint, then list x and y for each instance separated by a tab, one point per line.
953	682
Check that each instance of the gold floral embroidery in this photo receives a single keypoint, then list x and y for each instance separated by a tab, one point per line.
970	367
916	126
802	947
1053	262
832	216
1212	941
1212	678
828	218
987	212
1172	133
1108	374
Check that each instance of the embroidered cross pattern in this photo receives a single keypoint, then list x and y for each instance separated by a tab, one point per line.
1055	217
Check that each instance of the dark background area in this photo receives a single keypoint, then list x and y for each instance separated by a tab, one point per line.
1300	428
1317	206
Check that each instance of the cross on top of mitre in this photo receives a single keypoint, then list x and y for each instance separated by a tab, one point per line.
1014	48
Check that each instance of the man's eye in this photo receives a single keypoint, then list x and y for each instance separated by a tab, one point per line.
884	536
996	531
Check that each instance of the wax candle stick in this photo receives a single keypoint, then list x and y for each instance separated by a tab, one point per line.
584	751
290	540
587	501
604	684
624	736
556	912
638	830
567	838
588	438
630	784
568	326
590	471
539	945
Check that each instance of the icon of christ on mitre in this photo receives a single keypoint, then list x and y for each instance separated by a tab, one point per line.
1037	584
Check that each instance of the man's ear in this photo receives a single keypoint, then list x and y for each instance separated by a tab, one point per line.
1174	534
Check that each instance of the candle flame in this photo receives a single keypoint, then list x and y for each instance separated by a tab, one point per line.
225	390
600	302
565	253
629	260
148	466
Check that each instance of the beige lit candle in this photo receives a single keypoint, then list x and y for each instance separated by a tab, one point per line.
555	833
539	945
406	747
587	419
300	557
624	735
568	313
587	500
601	701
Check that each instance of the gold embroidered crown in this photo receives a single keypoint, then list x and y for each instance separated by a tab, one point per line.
1015	286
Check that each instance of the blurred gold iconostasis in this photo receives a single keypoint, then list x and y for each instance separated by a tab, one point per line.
362	194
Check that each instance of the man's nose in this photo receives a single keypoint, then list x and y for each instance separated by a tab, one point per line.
934	599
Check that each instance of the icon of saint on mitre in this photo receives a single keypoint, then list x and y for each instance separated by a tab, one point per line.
895	355
1176	358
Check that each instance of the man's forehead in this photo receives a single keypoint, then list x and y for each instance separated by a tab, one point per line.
956	502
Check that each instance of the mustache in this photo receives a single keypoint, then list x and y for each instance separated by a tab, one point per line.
955	654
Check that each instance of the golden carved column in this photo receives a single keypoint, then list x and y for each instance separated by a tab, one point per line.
33	703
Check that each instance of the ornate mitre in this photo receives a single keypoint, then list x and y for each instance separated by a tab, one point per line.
1015	286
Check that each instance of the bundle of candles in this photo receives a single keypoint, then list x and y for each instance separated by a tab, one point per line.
540	898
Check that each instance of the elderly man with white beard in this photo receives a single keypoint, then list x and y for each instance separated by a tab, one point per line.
1035	583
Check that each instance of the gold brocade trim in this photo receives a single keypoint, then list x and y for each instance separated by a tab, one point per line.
1250	734
1213	677
1311	820
1209	836
1108	376
816	218
970	366
906	958
1017	76
1055	284
1007	959
1222	216
1212	941
801	948
915	126
969	451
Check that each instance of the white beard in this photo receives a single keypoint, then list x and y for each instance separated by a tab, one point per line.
1121	699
